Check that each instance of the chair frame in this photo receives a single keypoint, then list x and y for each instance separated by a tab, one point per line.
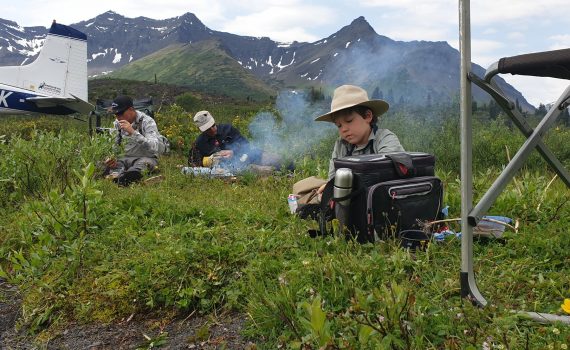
470	215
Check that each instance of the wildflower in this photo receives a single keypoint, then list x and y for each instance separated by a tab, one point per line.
556	331
563	346
566	306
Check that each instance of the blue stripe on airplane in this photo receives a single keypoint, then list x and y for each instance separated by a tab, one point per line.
17	100
63	30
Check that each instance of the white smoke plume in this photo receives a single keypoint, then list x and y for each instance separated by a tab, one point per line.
293	132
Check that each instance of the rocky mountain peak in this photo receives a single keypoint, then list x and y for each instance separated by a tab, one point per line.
360	26
407	71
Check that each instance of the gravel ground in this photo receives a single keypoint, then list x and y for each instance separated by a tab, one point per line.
144	332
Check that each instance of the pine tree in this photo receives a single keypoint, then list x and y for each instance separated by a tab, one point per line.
494	110
390	96
376	94
541	111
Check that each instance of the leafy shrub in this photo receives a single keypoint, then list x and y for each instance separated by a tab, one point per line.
45	162
188	101
79	248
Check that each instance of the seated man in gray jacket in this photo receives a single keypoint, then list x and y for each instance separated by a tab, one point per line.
139	135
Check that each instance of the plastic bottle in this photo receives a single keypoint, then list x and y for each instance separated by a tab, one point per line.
292	200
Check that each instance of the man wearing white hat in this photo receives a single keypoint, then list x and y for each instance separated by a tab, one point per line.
223	139
355	117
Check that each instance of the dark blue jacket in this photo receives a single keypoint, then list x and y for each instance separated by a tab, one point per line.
227	138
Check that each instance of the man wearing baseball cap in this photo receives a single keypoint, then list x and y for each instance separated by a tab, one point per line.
139	135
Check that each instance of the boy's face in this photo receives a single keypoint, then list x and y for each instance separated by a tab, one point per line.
354	128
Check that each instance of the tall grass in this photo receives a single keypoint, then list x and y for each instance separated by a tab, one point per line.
79	248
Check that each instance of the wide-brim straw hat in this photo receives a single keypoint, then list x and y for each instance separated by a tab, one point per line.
347	96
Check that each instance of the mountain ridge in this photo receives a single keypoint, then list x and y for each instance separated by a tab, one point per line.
411	72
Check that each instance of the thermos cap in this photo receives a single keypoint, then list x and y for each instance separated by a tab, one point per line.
343	178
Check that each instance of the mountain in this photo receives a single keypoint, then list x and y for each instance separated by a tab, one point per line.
182	50
205	66
19	45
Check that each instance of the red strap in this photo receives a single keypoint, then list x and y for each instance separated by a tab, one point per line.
403	169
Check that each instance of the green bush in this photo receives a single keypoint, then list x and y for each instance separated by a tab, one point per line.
45	162
188	101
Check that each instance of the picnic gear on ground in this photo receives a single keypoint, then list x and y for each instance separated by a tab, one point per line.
414	239
208	172
306	190
308	202
292	201
342	188
390	193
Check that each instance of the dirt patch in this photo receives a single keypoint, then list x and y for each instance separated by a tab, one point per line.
144	332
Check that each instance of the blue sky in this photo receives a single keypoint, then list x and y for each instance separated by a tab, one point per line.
499	28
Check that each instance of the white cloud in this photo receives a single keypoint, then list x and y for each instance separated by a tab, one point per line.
281	23
515	36
537	90
499	28
493	11
559	42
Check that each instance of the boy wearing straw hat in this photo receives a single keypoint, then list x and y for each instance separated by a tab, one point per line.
356	116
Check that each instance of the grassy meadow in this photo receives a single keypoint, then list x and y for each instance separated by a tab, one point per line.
81	249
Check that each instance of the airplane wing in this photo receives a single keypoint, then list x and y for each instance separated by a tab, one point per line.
74	103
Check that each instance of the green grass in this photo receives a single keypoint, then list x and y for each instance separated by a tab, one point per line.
203	66
82	249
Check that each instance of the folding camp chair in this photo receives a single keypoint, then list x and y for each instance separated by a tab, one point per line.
555	64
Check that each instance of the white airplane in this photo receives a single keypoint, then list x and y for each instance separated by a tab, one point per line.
55	83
